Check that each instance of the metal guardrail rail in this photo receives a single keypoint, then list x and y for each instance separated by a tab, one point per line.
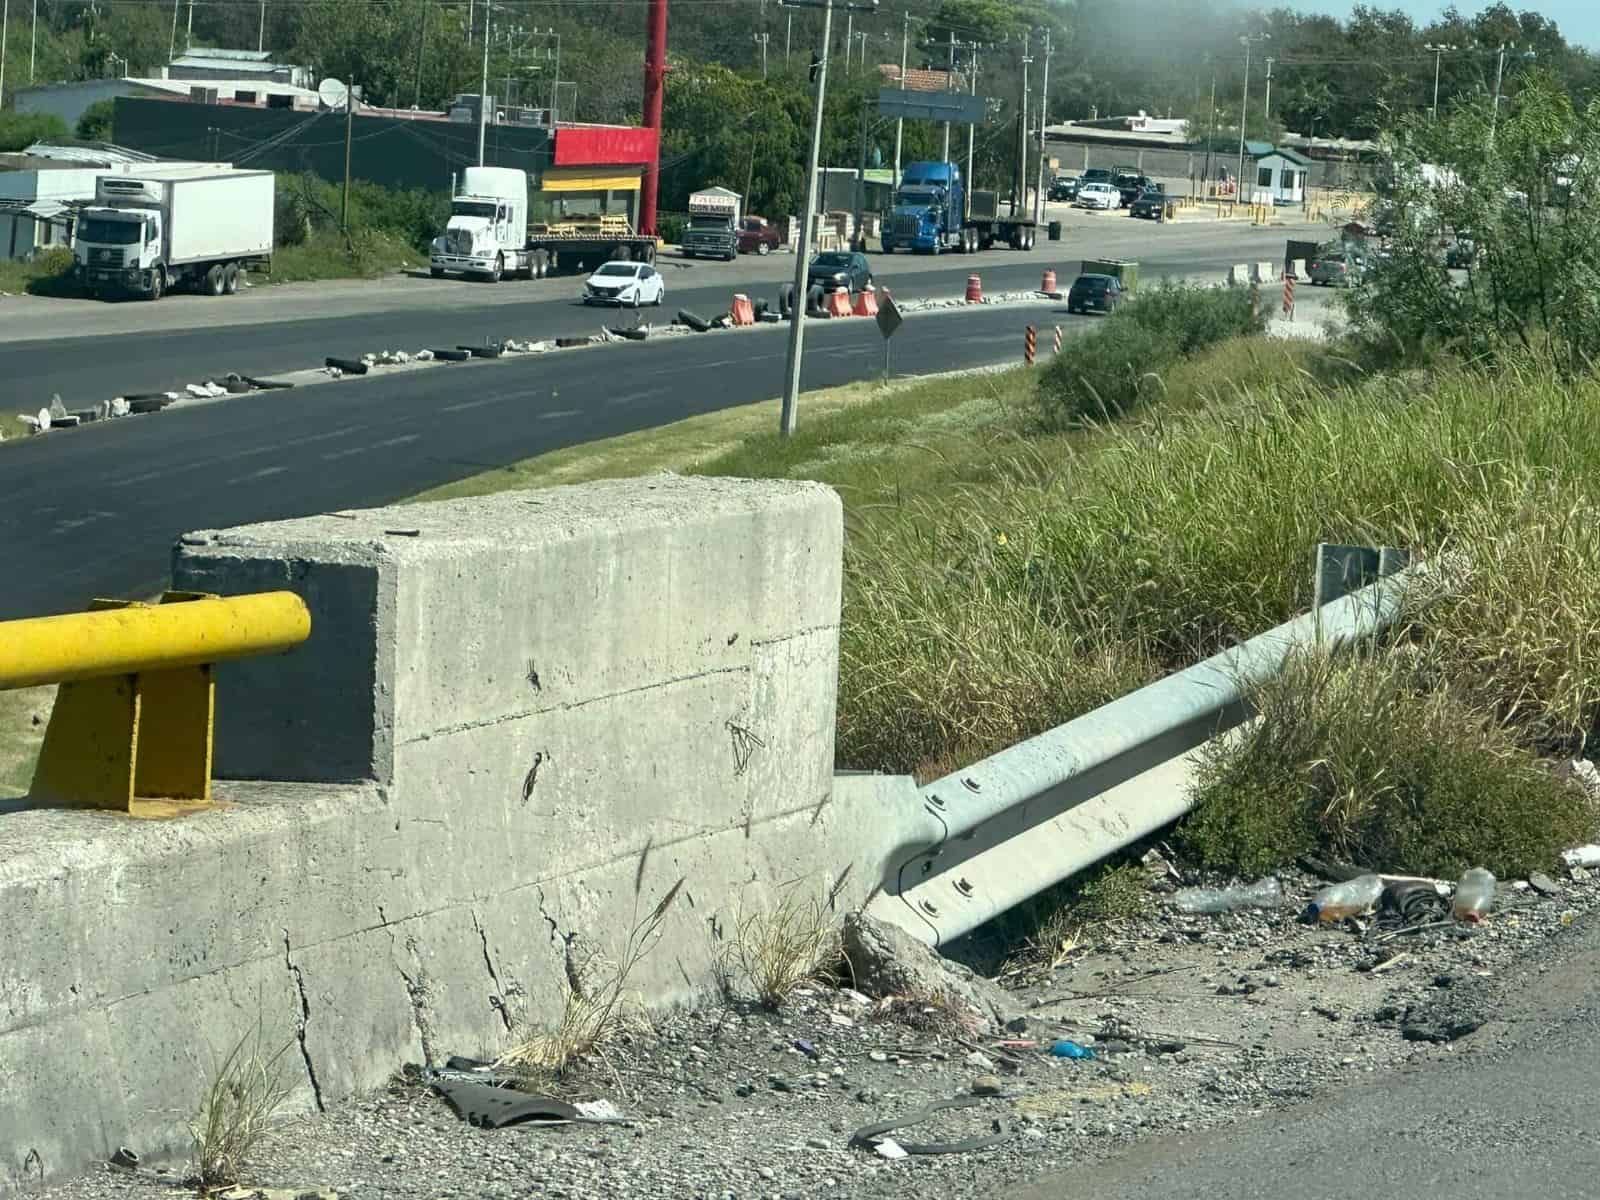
1003	830
132	725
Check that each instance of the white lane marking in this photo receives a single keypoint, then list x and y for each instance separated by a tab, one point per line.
558	414
264	473
466	404
334	455
208	463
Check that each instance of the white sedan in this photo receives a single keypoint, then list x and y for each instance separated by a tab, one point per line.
1098	195
625	283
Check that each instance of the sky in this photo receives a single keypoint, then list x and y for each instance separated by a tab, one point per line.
1579	19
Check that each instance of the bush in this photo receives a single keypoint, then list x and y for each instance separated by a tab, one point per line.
670	227
1377	760
1110	372
96	123
18	131
306	205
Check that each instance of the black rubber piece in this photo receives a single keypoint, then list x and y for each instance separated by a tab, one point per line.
867	1136
482	351
452	355
147	404
814	298
237	387
693	320
759	307
633	335
786	300
567	343
266	384
490	1107
350	366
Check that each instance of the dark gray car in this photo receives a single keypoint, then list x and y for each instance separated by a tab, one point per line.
836	270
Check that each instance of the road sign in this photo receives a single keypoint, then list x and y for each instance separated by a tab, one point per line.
888	316
957	108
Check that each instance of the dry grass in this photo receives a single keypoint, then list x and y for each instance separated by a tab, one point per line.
599	1006
245	1091
777	950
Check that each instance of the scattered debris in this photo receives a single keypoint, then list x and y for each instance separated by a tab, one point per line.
1441	1022
1582	856
1338	901
1065	1048
1543	884
125	1158
1474	896
347	366
870	1136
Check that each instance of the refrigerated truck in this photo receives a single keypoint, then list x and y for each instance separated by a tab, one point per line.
146	235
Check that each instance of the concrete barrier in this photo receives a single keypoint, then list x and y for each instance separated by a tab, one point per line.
1238	275
1297	268
1262	272
518	722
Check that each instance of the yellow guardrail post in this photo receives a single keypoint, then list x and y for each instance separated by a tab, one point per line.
132	724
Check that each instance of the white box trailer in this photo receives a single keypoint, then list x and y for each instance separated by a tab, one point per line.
147	234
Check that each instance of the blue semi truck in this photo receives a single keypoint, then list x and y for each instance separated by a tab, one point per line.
933	212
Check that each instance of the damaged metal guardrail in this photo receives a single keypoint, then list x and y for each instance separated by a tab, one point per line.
133	718
1003	830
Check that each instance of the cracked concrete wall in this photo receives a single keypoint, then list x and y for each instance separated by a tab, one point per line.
555	705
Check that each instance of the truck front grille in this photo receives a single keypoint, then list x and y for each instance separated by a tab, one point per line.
907	225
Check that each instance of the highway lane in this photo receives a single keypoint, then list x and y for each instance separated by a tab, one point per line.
91	353
96	511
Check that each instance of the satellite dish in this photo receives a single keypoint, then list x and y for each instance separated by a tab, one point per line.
333	93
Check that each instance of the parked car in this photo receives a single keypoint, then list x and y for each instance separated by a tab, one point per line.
1097	195
758	236
625	283
1340	269
1064	187
1098	293
839	270
1149	203
1095	175
1129	186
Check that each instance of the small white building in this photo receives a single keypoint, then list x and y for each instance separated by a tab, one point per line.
1281	175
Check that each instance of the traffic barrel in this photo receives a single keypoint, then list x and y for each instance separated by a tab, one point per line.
866	302
742	311
1028	344
974	290
838	303
1047	285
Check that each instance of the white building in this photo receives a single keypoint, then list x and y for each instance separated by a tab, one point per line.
41	193
1281	174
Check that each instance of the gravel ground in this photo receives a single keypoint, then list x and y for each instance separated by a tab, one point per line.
1195	1020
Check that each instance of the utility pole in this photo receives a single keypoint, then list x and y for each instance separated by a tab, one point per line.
945	157
1266	107
1247	41
1211	133
469	21
5	26
761	40
483	97
861	180
1044	104
261	28
349	123
1438	53
188	33
966	192
861	42
172	44
422	43
900	122
788	36
849	27
33	41
802	252
1019	192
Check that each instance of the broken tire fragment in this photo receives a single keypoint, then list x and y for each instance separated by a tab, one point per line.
452	355
633	335
786	301
566	343
350	366
266	384
492	351
693	320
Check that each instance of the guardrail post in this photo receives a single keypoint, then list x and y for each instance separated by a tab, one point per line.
131	729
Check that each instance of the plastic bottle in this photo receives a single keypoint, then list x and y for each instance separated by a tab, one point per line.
1474	896
1582	856
1265	893
1349	899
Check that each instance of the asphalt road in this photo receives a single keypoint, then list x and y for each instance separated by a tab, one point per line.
96	511
89	351
1514	1115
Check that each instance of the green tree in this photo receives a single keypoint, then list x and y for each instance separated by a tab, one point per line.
1526	186
96	123
18	131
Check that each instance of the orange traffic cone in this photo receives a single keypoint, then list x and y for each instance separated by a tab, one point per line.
1047	285
974	290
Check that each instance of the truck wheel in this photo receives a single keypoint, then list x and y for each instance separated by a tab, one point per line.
786	301
230	279
499	268
158	284
213	283
763	249
436	272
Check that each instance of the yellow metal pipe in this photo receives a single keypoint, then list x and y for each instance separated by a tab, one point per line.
156	637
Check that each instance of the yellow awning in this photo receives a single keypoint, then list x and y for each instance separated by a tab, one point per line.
590	179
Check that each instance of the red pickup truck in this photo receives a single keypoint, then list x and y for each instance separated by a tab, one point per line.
757	236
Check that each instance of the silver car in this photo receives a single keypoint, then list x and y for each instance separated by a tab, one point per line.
1339	269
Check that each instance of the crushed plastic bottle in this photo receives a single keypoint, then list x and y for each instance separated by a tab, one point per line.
1582	856
1348	899
1265	893
1070	1049
1474	896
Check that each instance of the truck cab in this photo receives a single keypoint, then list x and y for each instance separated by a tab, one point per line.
488	226
118	247
928	208
713	230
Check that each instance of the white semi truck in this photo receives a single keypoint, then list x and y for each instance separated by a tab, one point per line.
147	235
489	235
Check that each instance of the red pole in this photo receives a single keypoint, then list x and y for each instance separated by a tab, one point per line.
655	69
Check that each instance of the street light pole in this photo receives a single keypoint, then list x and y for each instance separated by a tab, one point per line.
900	122
802	251
1266	107
1438	53
1044	100
483	96
1247	41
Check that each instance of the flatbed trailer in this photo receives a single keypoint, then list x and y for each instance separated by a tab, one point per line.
566	246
